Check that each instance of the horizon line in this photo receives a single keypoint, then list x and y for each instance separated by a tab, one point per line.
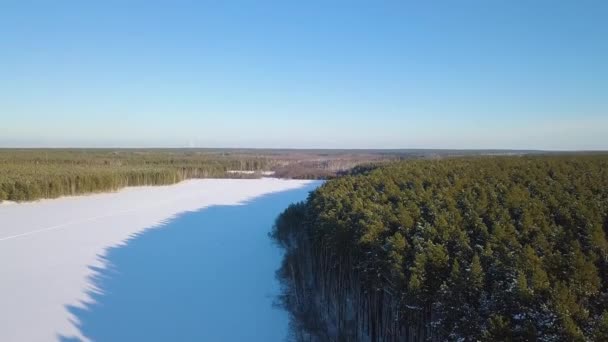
292	148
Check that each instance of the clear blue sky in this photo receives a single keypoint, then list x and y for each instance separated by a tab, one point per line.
335	74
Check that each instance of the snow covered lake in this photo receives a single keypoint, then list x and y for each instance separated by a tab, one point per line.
187	262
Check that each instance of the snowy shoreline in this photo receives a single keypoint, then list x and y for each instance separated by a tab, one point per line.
50	248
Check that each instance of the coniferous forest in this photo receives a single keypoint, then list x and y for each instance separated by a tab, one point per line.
489	248
38	173
30	174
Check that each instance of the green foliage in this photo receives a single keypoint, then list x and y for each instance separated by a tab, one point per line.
29	174
32	174
476	276
493	248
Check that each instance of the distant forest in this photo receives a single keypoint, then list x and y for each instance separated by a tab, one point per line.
34	174
461	249
29	174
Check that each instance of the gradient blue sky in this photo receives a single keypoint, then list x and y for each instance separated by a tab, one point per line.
334	74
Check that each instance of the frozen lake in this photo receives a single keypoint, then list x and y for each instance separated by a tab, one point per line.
188	262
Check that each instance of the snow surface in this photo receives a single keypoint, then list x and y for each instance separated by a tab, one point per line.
94	268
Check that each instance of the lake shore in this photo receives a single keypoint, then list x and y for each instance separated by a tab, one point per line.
50	249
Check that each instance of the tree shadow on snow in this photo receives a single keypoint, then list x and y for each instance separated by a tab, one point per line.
203	276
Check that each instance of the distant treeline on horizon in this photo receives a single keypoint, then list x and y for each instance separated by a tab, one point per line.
33	173
29	174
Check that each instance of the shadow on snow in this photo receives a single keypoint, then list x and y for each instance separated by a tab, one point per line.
207	275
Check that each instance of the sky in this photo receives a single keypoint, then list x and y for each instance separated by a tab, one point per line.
305	74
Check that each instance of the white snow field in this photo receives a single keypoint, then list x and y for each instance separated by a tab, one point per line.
51	249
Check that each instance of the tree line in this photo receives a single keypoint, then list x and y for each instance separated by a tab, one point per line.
33	174
29	174
486	248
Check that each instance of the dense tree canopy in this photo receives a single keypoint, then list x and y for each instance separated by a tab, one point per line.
492	248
